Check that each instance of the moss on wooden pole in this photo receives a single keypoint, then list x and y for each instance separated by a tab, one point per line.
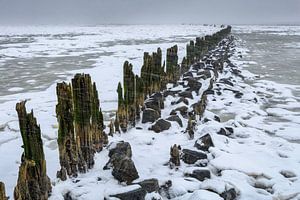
33	182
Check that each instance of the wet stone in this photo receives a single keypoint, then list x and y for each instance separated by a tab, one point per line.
149	185
137	194
200	174
183	110
170	93
190	157
204	143
175	118
121	148
186	94
160	125
150	115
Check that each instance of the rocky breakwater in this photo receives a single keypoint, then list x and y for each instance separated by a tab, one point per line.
186	86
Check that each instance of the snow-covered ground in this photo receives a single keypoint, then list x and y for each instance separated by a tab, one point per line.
260	160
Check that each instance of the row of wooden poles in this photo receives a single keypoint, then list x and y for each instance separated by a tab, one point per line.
80	120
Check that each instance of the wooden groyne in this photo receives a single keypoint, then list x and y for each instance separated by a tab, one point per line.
81	130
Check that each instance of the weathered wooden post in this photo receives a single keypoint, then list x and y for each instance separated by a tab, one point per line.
190	53
175	155
2	191
33	182
121	113
88	117
129	93
70	157
172	68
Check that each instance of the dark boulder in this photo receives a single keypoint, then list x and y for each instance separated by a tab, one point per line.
175	118
190	157
229	129
183	110
160	125
120	160
209	92
150	115
170	92
226	81
121	148
188	74
205	73
194	85
204	142
181	99
123	168
186	94
238	95
217	118
149	185
137	194
200	174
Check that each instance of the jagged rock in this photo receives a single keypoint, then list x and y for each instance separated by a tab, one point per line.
120	159
204	142
226	81
182	99
194	85
150	185
198	66
186	94
188	75
230	194
170	92
155	102
121	148
200	174
190	157
160	125
164	189
68	196
150	115
2	191
209	92
217	118
136	194
33	182
182	109
227	131
123	168
238	95
175	118
175	155
205	73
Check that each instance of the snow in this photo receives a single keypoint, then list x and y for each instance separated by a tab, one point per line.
264	146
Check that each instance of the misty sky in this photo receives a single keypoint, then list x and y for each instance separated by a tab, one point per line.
93	12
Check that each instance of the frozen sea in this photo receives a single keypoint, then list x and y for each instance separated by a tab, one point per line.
34	59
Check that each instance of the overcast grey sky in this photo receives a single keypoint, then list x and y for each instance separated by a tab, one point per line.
149	11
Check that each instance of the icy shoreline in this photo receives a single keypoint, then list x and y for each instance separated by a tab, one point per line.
254	162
